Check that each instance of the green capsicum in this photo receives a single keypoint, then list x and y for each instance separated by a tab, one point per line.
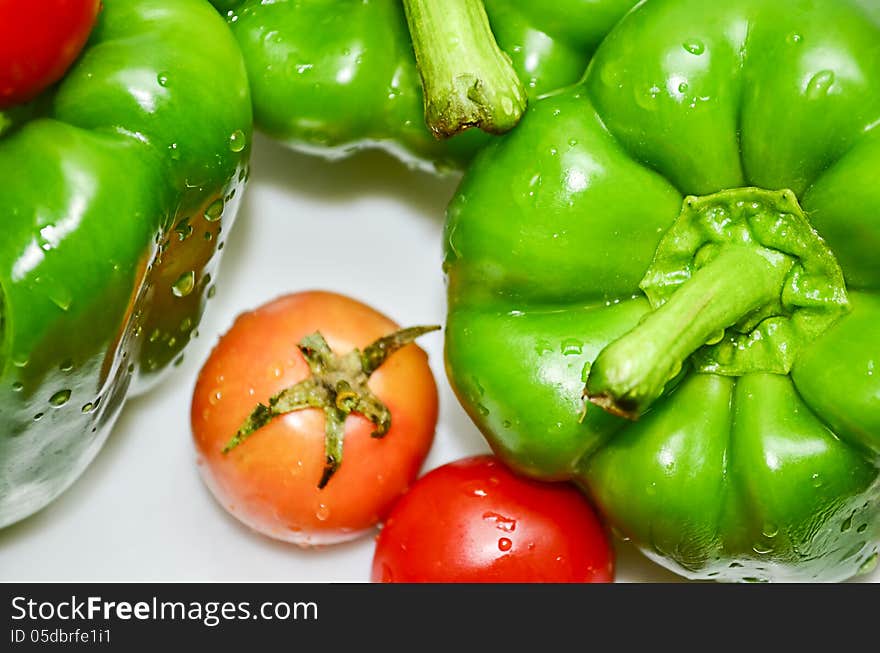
664	285
116	183
334	76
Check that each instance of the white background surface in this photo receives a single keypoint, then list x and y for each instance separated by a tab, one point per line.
140	512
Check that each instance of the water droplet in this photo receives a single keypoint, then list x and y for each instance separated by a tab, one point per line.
502	523
820	85
761	548
184	284
817	480
847	523
175	152
571	347
212	291
770	530
237	141
475	490
504	544
214	210
734	565
585	371
38	417
870	563
482	410
184	229
66	365
853	550
162	79
60	398
862	528
215	397
795	38
186	324
695	47
543	347
17	386
323	512
88	408
61	297
683	88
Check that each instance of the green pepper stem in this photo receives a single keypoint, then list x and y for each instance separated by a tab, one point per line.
630	373
467	80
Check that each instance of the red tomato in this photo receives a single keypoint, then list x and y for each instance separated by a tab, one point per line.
40	40
475	521
270	480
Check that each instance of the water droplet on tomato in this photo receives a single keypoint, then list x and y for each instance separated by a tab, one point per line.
504	544
502	523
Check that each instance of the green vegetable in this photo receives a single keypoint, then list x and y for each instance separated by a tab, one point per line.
664	284
334	76
116	184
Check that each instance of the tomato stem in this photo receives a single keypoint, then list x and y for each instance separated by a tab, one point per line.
338	386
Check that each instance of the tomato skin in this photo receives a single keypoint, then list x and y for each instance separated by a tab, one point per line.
40	41
475	521
270	481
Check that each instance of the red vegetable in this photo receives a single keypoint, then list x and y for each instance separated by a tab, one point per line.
39	42
476	521
271	479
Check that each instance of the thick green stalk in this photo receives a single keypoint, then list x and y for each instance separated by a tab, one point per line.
631	372
467	80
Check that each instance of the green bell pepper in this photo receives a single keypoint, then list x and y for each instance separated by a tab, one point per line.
334	76
116	184
664	285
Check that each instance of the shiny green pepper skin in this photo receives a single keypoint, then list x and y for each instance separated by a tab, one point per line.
115	187
755	476
334	76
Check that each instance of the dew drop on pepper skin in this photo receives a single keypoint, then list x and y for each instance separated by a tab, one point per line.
184	284
870	563
695	46
214	210
820	85
504	544
237	141
60	398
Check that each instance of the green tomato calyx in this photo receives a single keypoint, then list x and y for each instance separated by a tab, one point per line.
338	386
739	284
